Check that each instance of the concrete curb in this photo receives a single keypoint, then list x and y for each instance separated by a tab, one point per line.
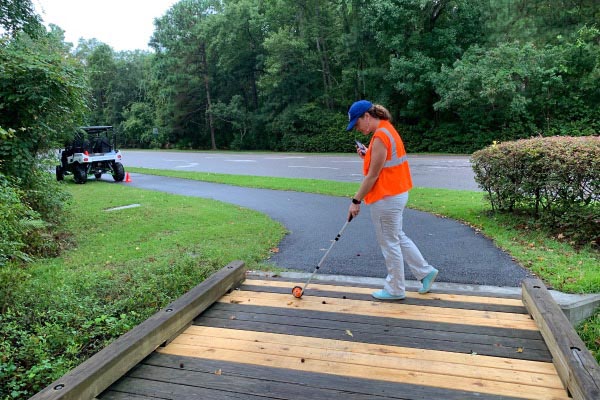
576	307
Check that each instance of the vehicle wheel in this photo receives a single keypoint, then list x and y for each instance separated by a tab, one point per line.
118	172
60	173
80	174
98	175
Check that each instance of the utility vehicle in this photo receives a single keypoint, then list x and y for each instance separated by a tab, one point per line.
92	152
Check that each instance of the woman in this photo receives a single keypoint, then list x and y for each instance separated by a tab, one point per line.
385	187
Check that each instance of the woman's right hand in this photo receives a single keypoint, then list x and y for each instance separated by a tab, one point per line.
353	210
361	152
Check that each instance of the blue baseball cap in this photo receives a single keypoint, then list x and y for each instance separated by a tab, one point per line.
357	109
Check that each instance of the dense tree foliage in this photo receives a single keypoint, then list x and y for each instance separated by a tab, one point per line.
280	74
19	16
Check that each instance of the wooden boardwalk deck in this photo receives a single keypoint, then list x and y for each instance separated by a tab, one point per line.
337	342
237	338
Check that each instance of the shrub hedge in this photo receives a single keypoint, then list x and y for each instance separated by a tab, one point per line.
554	179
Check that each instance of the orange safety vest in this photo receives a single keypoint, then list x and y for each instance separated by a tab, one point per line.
394	177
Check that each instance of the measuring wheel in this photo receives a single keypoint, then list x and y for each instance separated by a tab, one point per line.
297	292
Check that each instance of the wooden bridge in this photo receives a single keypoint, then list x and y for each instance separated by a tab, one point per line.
237	338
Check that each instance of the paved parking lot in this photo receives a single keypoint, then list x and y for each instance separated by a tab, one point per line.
434	171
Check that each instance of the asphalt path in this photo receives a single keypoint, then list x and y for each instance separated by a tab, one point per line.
460	253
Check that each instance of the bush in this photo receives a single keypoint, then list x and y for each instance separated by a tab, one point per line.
30	216
556	180
17	220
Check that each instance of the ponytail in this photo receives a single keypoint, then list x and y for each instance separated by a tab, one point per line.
380	112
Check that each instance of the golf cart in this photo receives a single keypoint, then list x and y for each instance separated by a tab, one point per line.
91	153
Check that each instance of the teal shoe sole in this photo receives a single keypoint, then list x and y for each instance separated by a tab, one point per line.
384	295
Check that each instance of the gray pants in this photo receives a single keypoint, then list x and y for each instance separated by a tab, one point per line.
397	248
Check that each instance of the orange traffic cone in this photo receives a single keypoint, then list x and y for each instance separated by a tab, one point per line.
127	177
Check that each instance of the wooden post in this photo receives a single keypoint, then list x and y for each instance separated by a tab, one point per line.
575	365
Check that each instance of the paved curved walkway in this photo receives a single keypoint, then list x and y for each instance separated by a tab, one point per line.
458	251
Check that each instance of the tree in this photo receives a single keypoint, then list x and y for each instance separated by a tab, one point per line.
102	70
539	21
490	90
42	95
288	64
236	47
420	37
237	116
516	91
138	126
180	42
19	16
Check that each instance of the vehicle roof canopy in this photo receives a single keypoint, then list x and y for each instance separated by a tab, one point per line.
96	129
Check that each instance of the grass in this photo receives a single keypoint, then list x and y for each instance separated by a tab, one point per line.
331	188
164	228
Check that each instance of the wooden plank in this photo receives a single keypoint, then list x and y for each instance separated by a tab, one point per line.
176	391
376	308
576	366
216	380
112	395
368	291
270	345
370	330
461	365
385	338
372	372
412	300
97	373
371	303
510	294
303	383
264	313
407	352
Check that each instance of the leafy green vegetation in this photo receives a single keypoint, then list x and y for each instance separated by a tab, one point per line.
123	265
554	180
43	92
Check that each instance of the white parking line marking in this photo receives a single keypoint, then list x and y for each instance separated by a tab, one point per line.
284	158
190	165
306	166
